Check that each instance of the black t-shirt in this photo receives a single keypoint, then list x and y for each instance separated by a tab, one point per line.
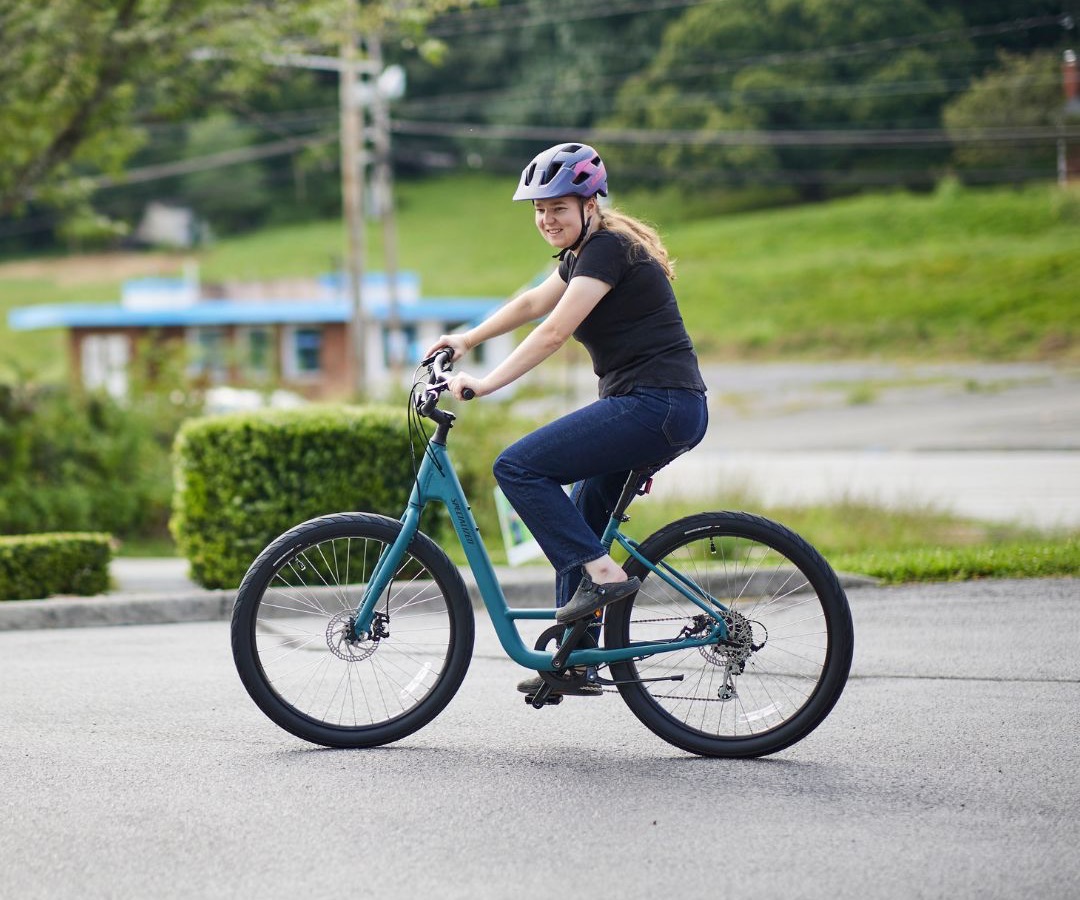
635	334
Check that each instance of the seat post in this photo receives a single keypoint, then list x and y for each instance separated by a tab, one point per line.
631	489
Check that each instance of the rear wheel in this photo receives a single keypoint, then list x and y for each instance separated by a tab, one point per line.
788	622
294	646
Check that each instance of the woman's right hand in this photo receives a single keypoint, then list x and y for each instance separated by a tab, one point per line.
455	342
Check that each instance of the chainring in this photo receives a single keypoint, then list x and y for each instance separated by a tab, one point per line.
571	678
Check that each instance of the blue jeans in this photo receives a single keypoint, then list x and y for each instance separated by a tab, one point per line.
595	449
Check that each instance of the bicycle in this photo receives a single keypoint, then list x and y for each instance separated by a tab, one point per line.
355	630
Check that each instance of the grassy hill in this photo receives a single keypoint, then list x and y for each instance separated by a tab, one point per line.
962	274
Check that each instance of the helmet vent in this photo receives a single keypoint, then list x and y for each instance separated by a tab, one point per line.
571	148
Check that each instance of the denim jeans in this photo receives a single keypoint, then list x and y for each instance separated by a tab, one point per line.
595	449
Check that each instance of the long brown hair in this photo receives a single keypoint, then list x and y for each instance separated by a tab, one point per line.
643	238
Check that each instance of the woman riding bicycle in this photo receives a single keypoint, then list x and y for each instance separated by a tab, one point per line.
612	292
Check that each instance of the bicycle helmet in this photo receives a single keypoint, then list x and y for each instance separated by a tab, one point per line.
563	170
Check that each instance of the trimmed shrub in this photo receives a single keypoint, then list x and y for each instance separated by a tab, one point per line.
241	480
38	565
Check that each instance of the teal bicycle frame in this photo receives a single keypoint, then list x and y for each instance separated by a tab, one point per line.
438	481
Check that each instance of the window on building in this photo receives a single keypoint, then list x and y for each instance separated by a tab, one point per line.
408	345
209	352
104	363
257	351
302	351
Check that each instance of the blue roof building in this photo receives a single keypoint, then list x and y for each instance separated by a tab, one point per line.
294	335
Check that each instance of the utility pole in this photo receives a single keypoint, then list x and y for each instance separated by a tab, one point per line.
352	193
384	203
359	85
1070	80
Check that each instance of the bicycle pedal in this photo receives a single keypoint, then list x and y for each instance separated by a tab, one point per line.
550	700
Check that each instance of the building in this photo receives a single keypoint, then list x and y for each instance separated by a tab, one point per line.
289	334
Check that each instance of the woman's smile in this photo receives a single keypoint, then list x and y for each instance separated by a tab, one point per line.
558	220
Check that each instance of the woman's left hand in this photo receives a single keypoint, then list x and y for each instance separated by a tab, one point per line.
462	380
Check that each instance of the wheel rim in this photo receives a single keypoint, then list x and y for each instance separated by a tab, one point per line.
301	635
747	690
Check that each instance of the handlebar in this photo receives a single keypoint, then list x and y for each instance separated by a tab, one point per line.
439	365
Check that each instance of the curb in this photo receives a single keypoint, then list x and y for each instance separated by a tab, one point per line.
523	588
532	589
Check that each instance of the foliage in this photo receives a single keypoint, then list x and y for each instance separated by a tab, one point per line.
82	81
1024	91
535	62
241	480
36	566
83	462
751	65
77	76
233	197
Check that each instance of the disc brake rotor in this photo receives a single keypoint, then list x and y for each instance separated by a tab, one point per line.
342	641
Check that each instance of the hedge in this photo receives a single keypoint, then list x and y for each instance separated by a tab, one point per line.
240	480
39	565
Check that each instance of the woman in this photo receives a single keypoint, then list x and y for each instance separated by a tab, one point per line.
611	292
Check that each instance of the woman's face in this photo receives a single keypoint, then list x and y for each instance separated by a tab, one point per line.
559	220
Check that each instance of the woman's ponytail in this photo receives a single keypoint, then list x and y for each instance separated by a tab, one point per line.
643	238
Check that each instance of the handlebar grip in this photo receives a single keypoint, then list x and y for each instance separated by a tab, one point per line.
468	394
442	361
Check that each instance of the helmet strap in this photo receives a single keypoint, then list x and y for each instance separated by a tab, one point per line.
581	237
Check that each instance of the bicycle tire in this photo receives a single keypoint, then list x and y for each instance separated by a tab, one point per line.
785	596
292	611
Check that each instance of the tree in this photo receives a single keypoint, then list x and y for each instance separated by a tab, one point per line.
530	62
79	79
789	65
1022	92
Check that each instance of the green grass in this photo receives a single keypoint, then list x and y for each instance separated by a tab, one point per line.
964	274
1055	556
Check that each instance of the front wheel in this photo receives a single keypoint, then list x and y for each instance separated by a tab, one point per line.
297	656
789	644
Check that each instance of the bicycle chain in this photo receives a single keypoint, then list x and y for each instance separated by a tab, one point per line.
615	690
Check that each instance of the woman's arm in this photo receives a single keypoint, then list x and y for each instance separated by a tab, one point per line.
577	301
525	307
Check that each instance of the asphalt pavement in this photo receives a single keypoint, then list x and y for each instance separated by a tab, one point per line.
136	766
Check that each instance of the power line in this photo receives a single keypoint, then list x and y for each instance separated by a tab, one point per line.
521	15
747	99
209	161
780	58
878	44
867	137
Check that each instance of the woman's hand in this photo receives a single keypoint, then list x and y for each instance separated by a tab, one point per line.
455	342
462	380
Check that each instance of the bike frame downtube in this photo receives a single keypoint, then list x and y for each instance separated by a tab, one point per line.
437	480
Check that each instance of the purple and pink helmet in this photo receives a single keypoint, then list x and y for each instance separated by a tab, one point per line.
563	170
